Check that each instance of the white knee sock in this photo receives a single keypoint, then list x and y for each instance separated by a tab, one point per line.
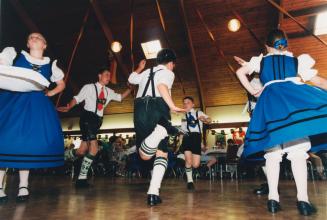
150	144
189	174
299	168
86	164
23	182
2	175
273	160
159	169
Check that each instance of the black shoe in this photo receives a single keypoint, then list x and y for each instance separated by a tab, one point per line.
154	200
263	190
190	186
82	184
305	208
23	198
171	130
273	206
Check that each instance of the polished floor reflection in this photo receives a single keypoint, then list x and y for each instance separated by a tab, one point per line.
120	198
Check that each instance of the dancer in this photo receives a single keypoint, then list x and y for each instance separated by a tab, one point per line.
152	116
31	135
191	145
96	97
286	110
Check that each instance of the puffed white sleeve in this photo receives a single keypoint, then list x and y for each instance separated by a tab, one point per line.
57	73
7	56
305	64
254	64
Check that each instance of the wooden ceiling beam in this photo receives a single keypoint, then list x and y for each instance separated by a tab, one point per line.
311	11
109	36
194	62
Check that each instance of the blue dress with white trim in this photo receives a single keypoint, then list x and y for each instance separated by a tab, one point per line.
287	109
30	130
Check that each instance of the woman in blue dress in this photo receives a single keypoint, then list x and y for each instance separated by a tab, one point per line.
30	130
286	113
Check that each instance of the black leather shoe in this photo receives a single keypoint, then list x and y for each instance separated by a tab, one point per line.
23	198
273	206
154	200
171	130
263	190
82	184
305	208
190	186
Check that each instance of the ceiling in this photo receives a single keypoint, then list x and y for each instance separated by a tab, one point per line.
60	21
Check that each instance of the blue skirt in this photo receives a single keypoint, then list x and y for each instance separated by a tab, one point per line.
30	131
284	112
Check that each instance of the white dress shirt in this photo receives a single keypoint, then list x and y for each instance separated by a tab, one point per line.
162	76
196	128
88	94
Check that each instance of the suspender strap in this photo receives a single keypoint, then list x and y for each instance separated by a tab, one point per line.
152	83
151	79
187	123
151	75
198	121
96	98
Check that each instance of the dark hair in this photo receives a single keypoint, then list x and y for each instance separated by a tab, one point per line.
102	70
274	36
189	98
165	56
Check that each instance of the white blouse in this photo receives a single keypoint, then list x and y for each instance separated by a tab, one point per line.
305	64
8	54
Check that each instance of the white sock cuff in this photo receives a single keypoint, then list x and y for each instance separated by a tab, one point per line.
161	161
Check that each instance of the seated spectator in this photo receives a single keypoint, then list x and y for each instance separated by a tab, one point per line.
209	160
317	162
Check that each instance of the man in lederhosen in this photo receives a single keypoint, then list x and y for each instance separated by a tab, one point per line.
152	108
96	97
192	123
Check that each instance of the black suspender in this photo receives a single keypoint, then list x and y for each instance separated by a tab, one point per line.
196	121
97	98
151	79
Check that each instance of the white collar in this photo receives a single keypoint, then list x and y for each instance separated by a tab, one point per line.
34	60
99	85
160	66
279	52
192	110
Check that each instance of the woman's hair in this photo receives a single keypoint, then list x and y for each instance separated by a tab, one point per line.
277	39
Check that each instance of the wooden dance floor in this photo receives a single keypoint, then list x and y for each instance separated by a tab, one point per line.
54	197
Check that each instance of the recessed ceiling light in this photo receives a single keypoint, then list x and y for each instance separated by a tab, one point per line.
116	46
321	24
234	25
151	48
